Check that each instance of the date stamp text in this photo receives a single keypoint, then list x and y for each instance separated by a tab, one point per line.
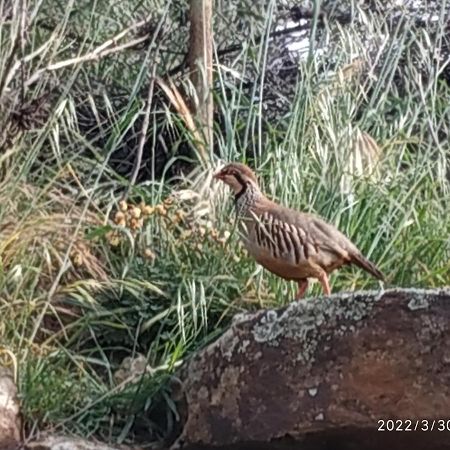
414	425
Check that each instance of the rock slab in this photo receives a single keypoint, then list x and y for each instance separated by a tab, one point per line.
323	373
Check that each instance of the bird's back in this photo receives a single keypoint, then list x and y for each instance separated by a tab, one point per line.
289	242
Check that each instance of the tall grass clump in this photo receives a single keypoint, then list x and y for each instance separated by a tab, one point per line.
106	286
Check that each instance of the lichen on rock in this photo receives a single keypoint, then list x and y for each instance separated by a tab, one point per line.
322	365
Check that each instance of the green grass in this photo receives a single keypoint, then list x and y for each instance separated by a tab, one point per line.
80	293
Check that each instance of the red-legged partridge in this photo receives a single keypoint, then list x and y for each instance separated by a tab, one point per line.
291	244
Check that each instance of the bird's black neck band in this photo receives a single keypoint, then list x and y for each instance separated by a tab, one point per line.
244	187
240	193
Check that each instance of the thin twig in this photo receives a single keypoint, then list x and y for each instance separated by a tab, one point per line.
143	133
145	124
12	72
23	17
92	56
10	68
10	59
107	48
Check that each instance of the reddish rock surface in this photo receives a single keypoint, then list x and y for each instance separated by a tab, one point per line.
321	373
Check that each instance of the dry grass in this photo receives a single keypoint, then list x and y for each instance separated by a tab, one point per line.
52	237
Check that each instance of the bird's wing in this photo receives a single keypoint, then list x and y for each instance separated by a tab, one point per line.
329	238
313	233
310	238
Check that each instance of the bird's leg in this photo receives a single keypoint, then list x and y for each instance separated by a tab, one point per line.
302	287
323	279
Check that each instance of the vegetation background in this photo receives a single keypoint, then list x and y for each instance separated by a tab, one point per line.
118	256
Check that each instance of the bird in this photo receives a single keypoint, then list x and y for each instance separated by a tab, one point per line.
294	245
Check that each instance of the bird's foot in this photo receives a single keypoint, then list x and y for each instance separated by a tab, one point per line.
302	288
323	279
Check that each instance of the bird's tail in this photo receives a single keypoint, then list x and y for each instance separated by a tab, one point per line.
367	265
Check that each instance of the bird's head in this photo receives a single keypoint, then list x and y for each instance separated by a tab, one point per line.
238	176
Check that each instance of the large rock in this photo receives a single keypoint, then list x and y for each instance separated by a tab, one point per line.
9	412
321	373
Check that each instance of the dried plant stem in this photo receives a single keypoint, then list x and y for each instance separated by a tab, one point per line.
107	48
143	133
92	56
17	44
18	64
